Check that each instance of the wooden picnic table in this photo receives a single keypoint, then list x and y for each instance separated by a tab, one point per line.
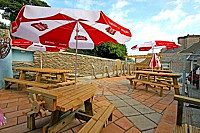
158	70
60	73
66	103
162	75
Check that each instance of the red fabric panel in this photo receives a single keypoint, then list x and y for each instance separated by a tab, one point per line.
144	48
52	49
59	36
134	47
97	36
165	43
106	20
21	42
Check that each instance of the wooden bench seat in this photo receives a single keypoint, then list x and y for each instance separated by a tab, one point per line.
161	85
130	78
66	83
9	81
64	103
167	82
184	128
99	120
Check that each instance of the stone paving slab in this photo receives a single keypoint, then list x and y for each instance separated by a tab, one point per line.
136	116
112	97
132	102
128	111
142	122
155	117
119	103
123	97
143	109
149	131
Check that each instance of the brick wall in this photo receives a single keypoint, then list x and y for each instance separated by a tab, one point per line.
177	60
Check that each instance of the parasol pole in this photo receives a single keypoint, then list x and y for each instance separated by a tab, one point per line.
40	60
76	53
152	56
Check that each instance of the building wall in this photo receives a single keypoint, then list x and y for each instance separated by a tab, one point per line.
177	61
5	68
21	55
6	63
187	41
192	39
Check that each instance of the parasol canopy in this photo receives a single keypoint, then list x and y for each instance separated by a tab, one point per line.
73	28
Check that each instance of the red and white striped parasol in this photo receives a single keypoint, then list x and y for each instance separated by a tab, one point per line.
155	45
78	29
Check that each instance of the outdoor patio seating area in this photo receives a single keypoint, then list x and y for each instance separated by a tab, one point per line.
135	110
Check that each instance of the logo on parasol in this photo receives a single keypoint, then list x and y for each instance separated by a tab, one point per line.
110	30
40	26
4	47
79	37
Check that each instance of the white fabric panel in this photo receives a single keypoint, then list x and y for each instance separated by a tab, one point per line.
102	27
81	44
37	47
32	12
40	12
82	14
32	33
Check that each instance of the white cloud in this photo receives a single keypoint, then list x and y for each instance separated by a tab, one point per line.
67	2
119	13
196	4
84	4
87	4
178	3
187	21
172	15
121	4
151	32
7	22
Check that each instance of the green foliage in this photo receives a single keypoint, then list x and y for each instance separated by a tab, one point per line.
3	26
12	7
105	50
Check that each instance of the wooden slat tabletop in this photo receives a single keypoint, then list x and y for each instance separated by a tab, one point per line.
158	74
67	97
157	70
44	70
73	97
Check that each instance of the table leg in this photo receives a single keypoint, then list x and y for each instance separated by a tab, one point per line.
148	79
63	77
176	87
22	75
38	76
58	76
135	82
88	106
179	113
31	122
58	122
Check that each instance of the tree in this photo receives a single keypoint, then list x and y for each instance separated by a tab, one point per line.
12	7
111	50
106	50
3	26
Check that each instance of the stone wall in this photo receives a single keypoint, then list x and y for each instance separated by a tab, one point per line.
65	60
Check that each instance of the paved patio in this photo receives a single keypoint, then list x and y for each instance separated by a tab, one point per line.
137	111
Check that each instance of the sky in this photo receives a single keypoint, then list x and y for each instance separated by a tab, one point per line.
148	20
